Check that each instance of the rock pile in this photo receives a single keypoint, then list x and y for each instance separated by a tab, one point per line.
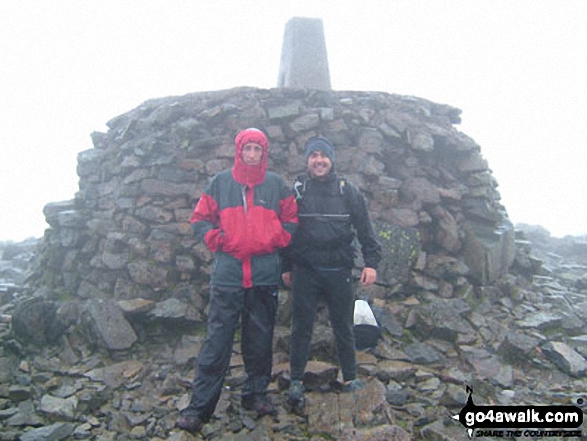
102	338
15	259
126	234
519	341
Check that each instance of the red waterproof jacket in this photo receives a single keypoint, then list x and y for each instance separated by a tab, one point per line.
245	216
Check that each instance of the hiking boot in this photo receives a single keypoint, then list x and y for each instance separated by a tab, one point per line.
190	422
296	391
353	386
260	403
295	397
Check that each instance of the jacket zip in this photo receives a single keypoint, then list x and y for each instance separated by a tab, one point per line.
244	195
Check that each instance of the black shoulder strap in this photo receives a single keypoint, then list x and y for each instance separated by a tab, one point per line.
299	187
346	192
342	186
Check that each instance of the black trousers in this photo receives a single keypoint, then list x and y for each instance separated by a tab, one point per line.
256	308
336	288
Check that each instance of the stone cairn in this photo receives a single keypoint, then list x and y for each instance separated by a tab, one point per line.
101	344
126	235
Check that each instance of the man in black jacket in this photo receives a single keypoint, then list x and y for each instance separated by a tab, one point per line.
331	212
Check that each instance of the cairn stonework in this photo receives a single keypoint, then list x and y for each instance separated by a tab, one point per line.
126	234
519	341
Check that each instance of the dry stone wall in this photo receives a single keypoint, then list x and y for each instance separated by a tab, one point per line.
126	234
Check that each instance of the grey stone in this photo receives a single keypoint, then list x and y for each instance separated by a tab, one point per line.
148	273
24	417
372	167
57	407
518	347
154	214
319	375
390	132
70	219
440	319
8	365
400	250
404	217
105	325
447	230
35	321
541	321
53	432
418	191
19	393
454	396
306	122
396	396
565	358
387	321
285	111
398	371
101	227
422	141
472	163
488	252
116	374
153	187
174	309
421	353
52	210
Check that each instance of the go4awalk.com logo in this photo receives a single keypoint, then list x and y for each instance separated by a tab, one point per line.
517	421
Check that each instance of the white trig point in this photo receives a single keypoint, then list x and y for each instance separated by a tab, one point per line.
304	63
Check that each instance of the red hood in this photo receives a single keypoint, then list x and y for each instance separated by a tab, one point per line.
250	175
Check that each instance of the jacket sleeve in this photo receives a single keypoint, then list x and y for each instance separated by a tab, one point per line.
288	209
370	246
204	221
289	216
289	219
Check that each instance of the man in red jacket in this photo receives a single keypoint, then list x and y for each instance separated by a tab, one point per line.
245	216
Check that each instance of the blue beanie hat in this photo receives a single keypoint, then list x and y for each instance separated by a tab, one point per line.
320	144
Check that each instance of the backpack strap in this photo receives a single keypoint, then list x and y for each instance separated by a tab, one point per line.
299	187
342	186
345	192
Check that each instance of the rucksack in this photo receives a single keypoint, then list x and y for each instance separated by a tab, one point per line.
366	329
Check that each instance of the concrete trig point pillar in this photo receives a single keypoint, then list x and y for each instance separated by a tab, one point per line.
304	64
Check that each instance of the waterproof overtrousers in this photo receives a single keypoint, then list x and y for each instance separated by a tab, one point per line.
336	288
255	309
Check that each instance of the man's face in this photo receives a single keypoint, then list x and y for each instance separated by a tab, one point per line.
319	164
252	153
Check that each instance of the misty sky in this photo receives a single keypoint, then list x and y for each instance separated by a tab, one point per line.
517	70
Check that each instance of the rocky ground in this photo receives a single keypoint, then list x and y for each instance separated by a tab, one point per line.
521	341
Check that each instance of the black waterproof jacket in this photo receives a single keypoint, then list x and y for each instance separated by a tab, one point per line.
331	213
